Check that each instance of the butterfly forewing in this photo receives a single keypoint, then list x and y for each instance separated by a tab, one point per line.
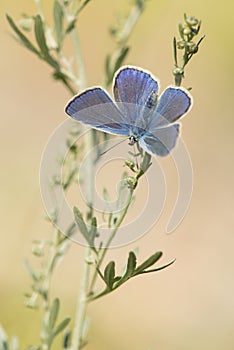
173	103
94	107
132	89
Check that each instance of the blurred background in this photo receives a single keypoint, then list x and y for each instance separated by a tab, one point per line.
190	305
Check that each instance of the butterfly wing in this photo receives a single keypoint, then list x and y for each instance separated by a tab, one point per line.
173	104
95	108
161	135
161	141
132	88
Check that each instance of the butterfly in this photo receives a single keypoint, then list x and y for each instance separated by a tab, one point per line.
136	111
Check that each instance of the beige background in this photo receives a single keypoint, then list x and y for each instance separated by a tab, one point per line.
191	304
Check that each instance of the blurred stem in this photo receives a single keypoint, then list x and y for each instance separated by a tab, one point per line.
46	289
78	330
82	81
77	334
82	6
130	24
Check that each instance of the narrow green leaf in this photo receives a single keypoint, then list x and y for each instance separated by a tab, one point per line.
24	40
121	57
81	224
109	274
70	26
132	260
146	163
140	4
61	326
147	263
175	51
41	40
93	230
130	269
58	22
158	268
117	279
70	178
54	313
40	36
82	7
67	340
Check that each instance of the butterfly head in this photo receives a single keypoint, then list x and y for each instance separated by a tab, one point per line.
132	140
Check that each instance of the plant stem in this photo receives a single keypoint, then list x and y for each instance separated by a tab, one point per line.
112	235
129	24
82	81
46	291
78	329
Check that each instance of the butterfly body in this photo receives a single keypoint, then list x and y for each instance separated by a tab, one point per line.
137	112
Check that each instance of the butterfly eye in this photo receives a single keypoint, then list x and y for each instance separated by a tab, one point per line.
132	140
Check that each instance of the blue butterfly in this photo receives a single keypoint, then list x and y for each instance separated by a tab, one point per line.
137	112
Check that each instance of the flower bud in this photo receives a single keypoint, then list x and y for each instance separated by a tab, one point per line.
38	250
90	260
130	164
193	48
26	23
191	21
178	71
180	44
131	182
186	30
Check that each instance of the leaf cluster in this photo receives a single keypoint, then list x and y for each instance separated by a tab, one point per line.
48	45
113	281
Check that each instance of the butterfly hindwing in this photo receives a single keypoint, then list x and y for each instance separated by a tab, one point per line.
162	141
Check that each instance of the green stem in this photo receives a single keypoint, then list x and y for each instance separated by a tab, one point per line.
129	24
78	330
112	235
85	3
144	167
46	291
82	81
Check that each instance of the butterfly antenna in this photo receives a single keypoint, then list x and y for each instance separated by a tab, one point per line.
110	148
